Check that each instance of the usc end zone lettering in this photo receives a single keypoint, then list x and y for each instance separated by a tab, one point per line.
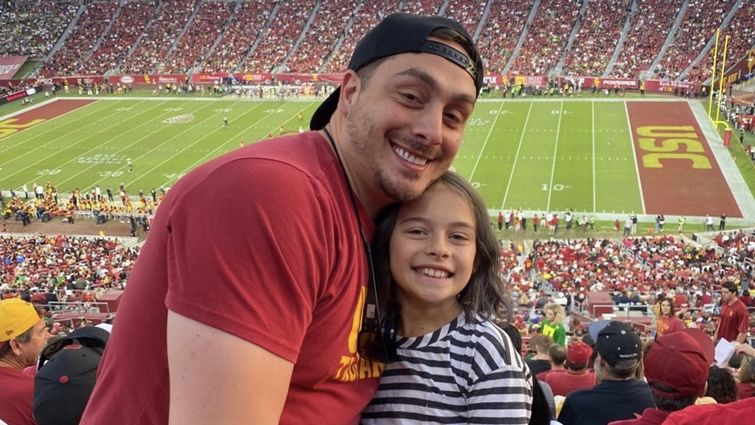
667	142
9	126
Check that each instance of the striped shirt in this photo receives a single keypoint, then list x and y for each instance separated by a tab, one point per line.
461	373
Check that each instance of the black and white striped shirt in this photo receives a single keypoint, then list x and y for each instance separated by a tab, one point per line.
461	373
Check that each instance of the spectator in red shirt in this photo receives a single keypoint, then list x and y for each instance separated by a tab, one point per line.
577	375
733	325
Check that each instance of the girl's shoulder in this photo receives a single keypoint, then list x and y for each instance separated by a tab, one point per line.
491	344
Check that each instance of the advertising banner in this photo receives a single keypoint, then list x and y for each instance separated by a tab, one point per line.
9	66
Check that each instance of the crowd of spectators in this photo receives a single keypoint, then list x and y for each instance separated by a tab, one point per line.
71	57
647	32
149	54
699	24
547	37
239	36
31	28
596	39
422	7
123	34
467	13
62	265
365	18
741	32
501	32
327	26
207	26
279	38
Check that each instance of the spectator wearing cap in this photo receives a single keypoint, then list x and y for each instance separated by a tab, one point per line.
22	336
676	368
577	375
540	362
619	395
733	324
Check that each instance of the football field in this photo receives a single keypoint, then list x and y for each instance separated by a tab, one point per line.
611	156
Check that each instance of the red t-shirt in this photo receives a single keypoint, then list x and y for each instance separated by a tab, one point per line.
734	413
734	320
665	325
16	396
565	383
263	244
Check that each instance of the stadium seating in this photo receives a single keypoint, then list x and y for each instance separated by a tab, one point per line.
240	35
597	37
501	32
123	34
280	38
653	19
31	28
547	37
466	12
328	25
150	53
697	27
69	60
206	27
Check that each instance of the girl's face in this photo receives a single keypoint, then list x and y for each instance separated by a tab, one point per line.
665	308
550	315
432	248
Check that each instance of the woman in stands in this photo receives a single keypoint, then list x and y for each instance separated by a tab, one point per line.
667	322
553	324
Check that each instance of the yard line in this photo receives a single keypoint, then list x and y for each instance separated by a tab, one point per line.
85	169
492	127
516	156
634	158
555	152
77	143
594	204
148	172
204	158
197	141
7	146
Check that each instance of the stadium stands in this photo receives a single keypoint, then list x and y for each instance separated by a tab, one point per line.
547	37
123	34
31	28
239	36
597	37
207	26
149	54
280	38
466	12
697	27
327	26
647	29
501	32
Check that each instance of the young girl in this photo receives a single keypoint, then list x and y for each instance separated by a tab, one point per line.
553	324
439	258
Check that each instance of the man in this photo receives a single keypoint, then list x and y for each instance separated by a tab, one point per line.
733	323
557	358
255	314
577	375
676	369
23	335
619	395
540	362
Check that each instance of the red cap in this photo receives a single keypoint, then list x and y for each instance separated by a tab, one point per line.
677	361
578	353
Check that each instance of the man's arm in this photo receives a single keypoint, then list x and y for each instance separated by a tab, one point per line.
216	377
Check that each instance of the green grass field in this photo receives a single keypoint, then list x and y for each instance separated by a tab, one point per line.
546	155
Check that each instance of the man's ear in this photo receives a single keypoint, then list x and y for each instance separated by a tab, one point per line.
351	85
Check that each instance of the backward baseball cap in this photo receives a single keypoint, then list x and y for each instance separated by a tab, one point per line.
404	33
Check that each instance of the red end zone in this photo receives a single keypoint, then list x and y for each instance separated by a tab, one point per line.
678	172
22	121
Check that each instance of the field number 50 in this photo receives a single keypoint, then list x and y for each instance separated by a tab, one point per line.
557	187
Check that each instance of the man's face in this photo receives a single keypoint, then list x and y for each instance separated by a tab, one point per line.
404	123
30	350
726	295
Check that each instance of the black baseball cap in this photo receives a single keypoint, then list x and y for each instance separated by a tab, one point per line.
618	341
403	33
